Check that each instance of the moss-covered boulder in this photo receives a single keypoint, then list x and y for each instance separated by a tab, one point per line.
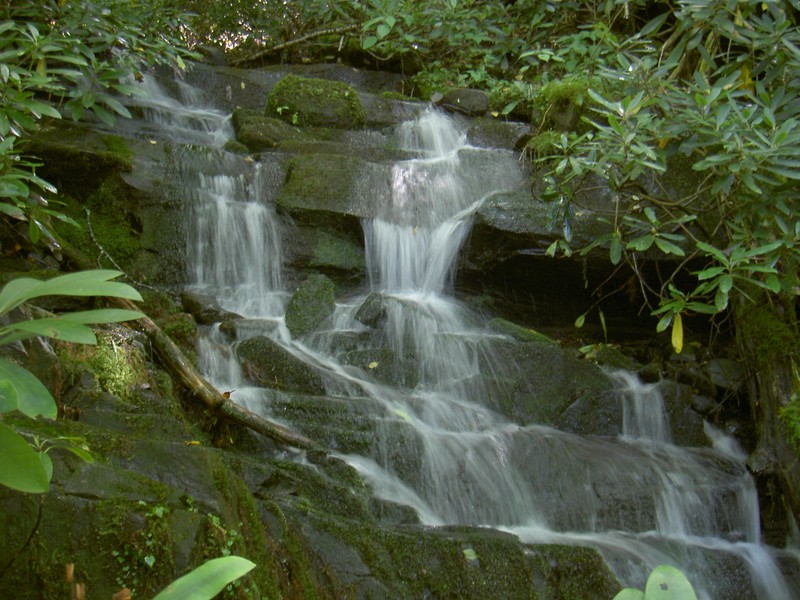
258	132
312	303
270	365
304	101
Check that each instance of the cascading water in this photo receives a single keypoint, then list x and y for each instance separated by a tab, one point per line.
439	446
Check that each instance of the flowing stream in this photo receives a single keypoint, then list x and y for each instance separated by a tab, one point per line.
441	448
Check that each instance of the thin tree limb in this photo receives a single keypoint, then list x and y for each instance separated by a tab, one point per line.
184	371
294	42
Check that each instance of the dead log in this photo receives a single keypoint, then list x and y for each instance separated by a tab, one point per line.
175	360
183	370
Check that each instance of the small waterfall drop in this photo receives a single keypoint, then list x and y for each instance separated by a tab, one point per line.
436	444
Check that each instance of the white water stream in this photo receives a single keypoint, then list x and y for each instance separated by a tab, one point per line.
440	448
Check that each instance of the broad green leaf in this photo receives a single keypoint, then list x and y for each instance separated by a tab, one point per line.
580	321
369	42
21	467
47	464
56	328
773	283
712	251
677	333
668	583
615	252
630	594
207	580
102	315
641	243
383	30
725	283
668	247
82	283
32	398
664	322
710	273
9	400
721	300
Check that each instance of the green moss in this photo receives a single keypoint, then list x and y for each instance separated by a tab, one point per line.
117	362
542	144
569	89
105	232
308	102
119	146
139	539
239	531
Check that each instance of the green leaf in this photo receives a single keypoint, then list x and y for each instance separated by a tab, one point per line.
677	333
383	30
102	315
580	321
369	42
664	322
31	397
668	583
712	251
773	283
21	467
83	283
641	243
709	273
52	327
725	283
668	247
207	580
615	252
630	594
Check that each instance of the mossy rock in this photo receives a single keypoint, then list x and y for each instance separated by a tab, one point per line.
521	333
312	303
258	132
268	364
324	250
303	101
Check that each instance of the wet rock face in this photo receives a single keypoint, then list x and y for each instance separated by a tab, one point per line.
464	100
269	365
311	305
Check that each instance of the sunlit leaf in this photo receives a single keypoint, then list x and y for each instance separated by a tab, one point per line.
207	580
668	583
677	333
32	398
21	467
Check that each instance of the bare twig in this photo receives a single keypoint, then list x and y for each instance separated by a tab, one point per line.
294	42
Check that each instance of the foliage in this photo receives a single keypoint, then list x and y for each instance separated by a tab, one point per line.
664	583
76	59
27	467
207	580
717	88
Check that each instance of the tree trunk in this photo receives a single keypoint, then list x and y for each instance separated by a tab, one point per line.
768	339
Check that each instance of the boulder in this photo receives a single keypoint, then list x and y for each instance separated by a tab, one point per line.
269	364
312	303
464	100
258	132
303	101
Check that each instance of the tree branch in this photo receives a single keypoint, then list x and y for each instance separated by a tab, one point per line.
294	42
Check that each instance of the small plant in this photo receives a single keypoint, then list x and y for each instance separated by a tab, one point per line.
27	467
664	583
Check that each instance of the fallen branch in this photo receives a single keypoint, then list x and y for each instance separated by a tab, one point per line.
182	368
294	42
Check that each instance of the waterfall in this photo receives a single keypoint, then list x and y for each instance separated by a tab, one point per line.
438	446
